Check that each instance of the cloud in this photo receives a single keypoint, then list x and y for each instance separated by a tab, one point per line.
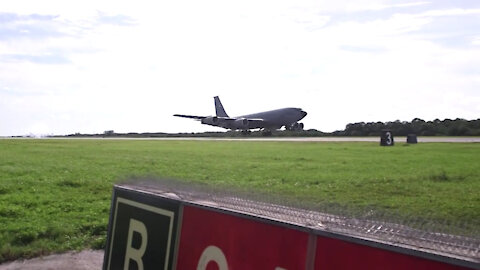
36	26
51	39
131	68
33	26
362	31
396	6
37	59
450	12
363	49
450	27
118	19
12	17
476	40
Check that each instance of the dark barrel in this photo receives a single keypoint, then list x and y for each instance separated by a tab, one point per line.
411	138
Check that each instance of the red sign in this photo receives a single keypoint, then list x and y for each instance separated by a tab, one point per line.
337	254
213	240
143	234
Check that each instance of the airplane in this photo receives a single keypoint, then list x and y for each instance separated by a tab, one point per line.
269	120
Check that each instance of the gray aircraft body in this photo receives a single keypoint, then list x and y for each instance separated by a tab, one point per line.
269	120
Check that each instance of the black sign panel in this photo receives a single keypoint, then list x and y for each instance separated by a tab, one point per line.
142	231
387	138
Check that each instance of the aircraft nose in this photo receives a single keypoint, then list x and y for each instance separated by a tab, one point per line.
304	113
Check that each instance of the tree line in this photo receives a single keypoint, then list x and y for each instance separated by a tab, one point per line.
447	127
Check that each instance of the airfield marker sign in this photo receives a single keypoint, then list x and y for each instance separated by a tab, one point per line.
386	138
154	229
240	242
358	256
142	232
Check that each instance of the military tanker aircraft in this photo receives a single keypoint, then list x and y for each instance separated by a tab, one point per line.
267	121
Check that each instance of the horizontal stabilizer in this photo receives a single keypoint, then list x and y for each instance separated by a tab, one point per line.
190	116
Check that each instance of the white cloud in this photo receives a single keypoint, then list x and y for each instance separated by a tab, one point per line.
381	5
450	12
476	40
131	66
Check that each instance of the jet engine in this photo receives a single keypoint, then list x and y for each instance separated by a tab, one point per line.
213	120
241	123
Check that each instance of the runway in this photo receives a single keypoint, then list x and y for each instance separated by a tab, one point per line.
317	139
344	139
397	139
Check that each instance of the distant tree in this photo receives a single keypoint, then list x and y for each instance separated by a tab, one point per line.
457	127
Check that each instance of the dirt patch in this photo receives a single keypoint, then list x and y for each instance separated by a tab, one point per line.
84	260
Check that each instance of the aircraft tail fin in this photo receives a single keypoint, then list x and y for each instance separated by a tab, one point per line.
219	108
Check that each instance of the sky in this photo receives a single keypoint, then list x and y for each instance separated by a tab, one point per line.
128	66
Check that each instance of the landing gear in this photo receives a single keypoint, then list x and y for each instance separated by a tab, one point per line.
246	132
266	132
294	127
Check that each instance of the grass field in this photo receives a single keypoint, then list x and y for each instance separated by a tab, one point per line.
55	194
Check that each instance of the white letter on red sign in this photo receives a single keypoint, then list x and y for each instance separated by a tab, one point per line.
212	253
131	252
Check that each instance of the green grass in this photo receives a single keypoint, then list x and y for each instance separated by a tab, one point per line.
55	194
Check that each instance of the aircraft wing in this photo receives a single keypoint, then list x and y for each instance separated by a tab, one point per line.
242	123
256	121
253	120
227	122
190	116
